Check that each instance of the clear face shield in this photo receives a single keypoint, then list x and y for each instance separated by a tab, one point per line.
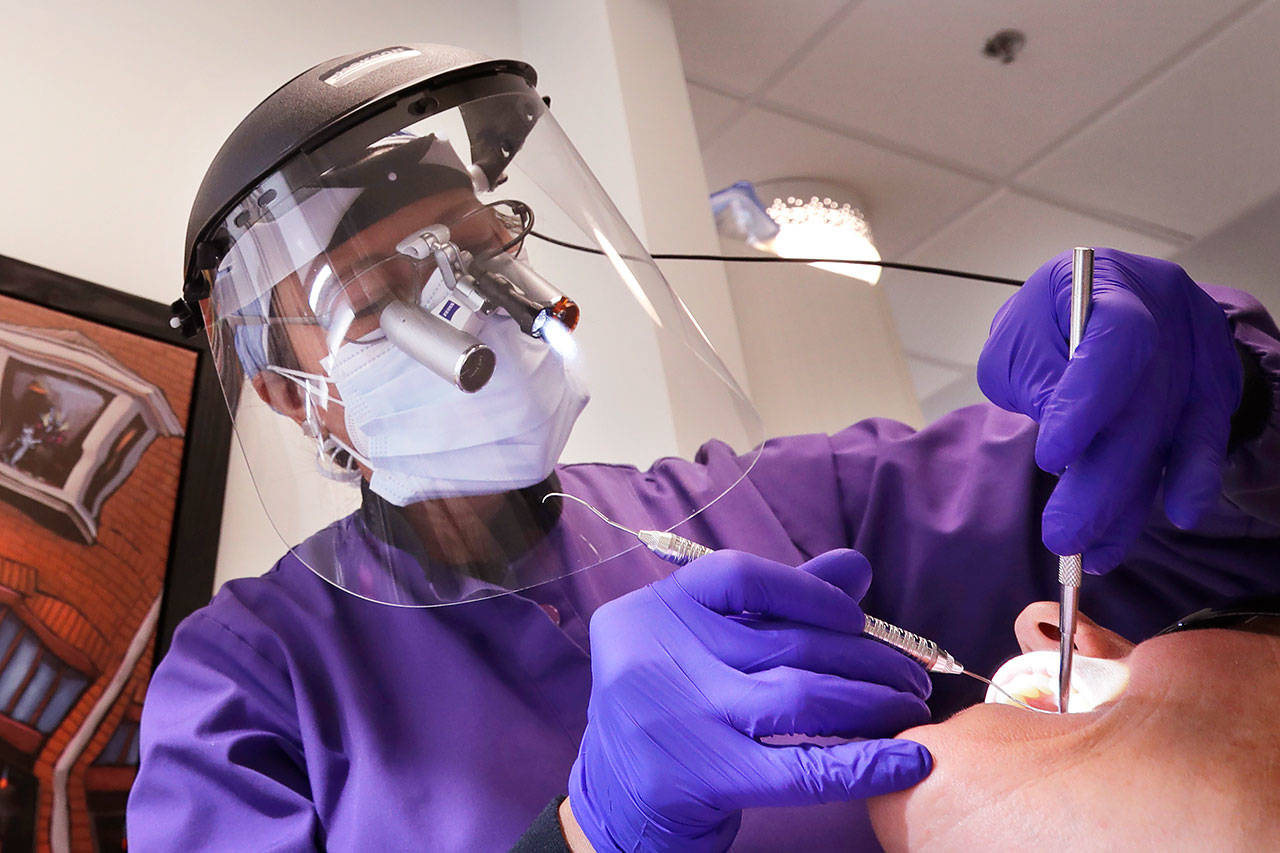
410	367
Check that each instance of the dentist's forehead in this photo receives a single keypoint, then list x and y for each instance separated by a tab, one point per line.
378	241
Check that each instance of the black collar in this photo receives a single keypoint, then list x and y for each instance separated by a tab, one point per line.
523	520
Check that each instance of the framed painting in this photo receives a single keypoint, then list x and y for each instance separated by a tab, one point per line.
113	452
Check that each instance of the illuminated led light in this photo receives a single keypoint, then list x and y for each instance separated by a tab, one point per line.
560	339
1033	678
821	227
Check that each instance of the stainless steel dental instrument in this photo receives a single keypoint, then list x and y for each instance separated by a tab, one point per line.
1070	568
927	653
676	549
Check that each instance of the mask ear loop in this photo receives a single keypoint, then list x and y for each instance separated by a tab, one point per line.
334	460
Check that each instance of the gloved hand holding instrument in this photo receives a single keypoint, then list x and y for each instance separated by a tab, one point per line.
683	686
1145	404
1142	397
682	689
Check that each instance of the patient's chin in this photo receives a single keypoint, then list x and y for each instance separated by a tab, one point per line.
912	819
983	754
889	820
994	752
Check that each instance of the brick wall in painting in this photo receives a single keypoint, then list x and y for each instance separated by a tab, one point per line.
89	600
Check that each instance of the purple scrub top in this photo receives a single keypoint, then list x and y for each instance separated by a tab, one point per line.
290	715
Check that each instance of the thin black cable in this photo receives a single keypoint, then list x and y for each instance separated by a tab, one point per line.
522	210
770	259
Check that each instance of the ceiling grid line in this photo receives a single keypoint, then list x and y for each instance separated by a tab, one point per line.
1120	220
1111	217
743	107
1184	54
996	182
752	98
756	100
798	55
1011	182
868	138
1108	133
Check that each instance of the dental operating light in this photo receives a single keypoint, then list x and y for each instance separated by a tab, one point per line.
802	218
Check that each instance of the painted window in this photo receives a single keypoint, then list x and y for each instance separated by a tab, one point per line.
36	688
122	748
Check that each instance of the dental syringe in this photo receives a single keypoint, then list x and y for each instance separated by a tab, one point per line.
681	551
676	549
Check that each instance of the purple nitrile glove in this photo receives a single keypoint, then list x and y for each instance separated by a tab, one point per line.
1146	402
682	687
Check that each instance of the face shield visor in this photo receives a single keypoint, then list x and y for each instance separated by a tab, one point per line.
410	368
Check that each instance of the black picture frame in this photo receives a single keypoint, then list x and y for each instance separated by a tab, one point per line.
193	543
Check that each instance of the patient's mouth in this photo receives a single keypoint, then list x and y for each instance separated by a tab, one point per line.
1033	678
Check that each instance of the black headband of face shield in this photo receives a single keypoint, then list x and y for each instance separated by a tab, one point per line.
1258	614
392	175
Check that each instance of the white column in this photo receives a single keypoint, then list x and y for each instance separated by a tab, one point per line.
613	72
827	353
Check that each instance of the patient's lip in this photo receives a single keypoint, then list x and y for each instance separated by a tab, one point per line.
1033	679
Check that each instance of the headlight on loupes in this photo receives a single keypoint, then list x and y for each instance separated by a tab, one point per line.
440	331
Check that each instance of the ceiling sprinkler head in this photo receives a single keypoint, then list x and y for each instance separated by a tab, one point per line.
1005	45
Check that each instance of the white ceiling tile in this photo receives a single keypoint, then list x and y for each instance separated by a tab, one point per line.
710	110
905	200
1010	234
1244	254
912	71
1195	149
929	376
1007	235
737	44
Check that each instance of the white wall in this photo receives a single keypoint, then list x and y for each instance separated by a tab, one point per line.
612	69
562	39
821	349
113	111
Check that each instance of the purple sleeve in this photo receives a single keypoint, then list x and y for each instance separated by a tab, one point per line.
949	517
965	491
221	764
1251	482
903	494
